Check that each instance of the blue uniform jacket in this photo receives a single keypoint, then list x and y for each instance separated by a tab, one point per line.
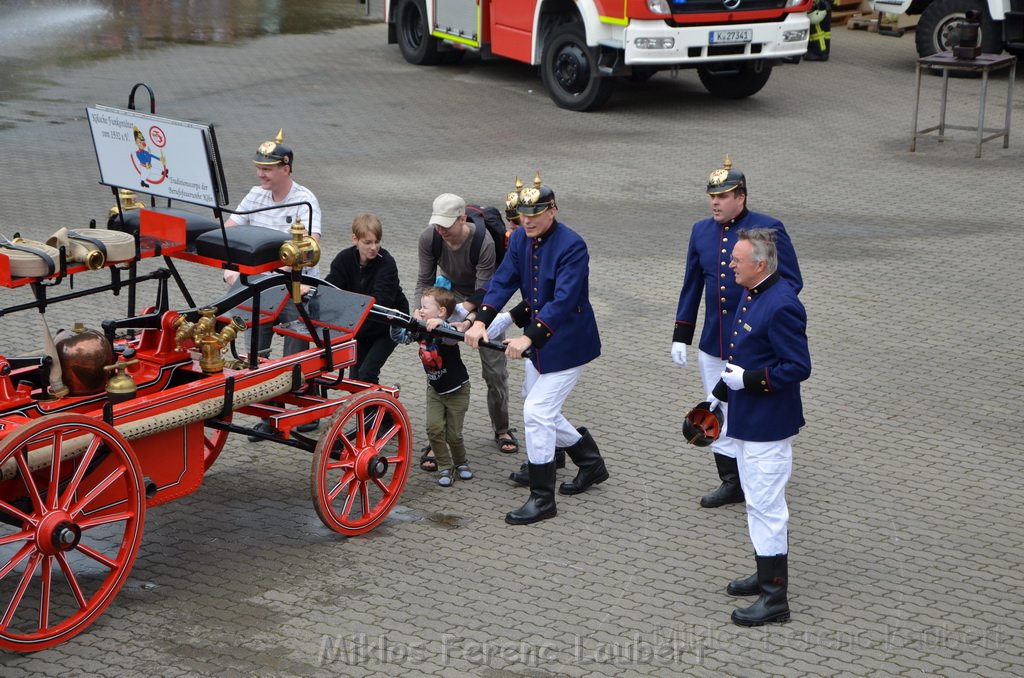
552	271
707	271
768	339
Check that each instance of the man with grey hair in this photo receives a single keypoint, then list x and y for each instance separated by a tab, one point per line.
766	359
707	276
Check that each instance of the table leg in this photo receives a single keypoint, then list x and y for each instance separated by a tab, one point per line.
1009	106
981	111
917	105
942	104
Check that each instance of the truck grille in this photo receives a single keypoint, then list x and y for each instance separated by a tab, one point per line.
705	6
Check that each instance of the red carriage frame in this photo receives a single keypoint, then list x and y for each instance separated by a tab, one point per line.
79	472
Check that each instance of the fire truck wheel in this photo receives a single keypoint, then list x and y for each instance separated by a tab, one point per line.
569	70
936	31
735	80
72	508
361	463
414	39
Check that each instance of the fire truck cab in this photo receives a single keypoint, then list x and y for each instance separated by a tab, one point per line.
582	45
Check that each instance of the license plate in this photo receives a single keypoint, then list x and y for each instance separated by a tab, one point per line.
733	37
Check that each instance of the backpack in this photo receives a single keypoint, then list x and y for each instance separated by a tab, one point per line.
493	224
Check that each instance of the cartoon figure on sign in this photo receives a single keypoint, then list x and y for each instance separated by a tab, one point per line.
143	161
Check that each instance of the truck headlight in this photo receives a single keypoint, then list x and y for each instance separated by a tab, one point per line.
794	36
658	6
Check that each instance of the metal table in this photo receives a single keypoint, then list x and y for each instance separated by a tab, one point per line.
984	64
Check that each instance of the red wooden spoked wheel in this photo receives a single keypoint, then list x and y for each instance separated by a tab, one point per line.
361	463
72	507
213	442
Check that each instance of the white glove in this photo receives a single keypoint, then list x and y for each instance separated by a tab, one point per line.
733	376
458	314
713	402
679	353
501	322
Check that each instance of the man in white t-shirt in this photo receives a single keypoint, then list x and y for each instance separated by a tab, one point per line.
280	200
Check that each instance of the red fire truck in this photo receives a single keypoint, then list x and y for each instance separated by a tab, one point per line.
582	45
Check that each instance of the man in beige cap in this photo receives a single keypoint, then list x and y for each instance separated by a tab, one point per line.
463	252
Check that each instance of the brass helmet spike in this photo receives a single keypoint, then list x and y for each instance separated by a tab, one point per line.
274	152
726	179
536	199
512	202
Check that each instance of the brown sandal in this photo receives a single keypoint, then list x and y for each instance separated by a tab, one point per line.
508	445
427	462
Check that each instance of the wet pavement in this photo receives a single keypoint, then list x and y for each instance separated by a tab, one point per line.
36	35
906	495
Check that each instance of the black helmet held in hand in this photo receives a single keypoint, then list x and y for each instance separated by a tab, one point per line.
702	425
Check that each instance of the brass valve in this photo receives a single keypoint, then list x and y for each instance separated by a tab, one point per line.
302	251
120	385
185	330
212	345
128	202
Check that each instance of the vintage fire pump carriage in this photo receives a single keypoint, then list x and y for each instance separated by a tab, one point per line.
582	45
106	423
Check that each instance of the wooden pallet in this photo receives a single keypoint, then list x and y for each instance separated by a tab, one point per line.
878	23
840	18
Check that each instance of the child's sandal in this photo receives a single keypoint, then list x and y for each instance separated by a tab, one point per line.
444	478
465	473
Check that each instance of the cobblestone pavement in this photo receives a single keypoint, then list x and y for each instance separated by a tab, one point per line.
906	494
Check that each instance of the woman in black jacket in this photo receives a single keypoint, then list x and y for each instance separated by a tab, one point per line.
367	268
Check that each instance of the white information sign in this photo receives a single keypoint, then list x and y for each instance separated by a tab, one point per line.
159	156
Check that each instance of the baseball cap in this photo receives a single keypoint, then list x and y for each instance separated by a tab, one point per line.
448	207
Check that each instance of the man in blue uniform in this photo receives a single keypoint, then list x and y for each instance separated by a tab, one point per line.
708	275
766	359
549	264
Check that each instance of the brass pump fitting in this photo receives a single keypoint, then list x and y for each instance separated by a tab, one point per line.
185	330
129	201
120	385
212	345
302	251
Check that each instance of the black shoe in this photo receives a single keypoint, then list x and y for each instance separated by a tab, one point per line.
592	469
522	476
306	428
541	504
262	427
772	606
744	587
729	492
816	56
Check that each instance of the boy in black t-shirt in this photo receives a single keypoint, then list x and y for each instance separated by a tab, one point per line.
448	385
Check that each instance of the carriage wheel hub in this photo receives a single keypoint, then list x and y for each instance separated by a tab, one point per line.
58	533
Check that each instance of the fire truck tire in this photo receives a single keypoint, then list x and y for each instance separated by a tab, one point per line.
72	511
414	39
936	29
361	463
569	70
735	81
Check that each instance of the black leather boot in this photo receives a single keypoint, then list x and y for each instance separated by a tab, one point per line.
729	492
592	469
772	605
744	587
541	504
522	476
